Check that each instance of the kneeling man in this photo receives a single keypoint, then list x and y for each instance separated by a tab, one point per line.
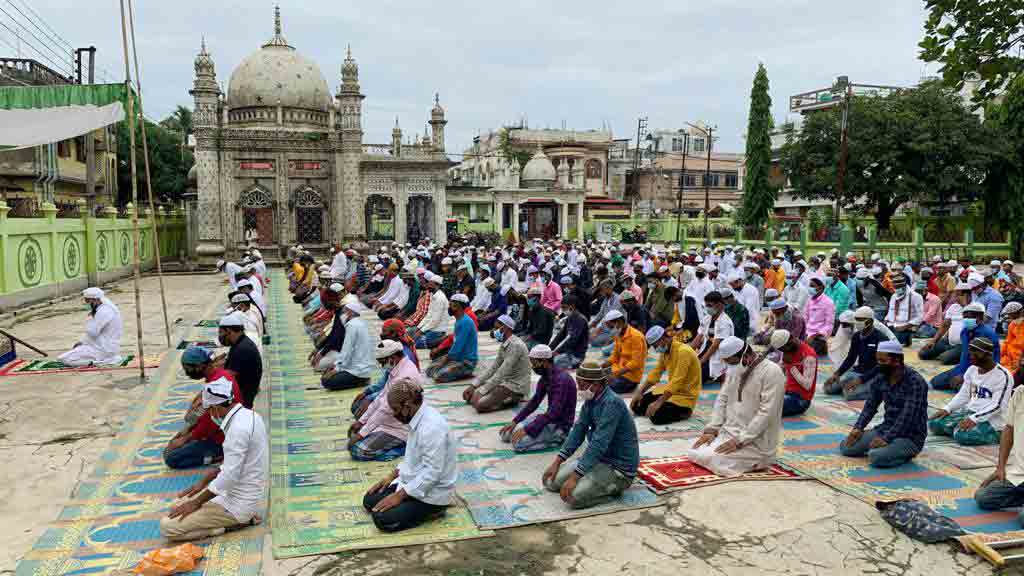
530	431
101	343
608	465
743	434
975	415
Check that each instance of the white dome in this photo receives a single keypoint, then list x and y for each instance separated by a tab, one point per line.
539	172
278	74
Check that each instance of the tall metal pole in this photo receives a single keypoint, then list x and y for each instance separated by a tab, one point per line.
90	158
707	184
844	151
682	183
135	191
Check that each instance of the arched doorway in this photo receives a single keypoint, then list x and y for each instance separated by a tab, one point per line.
380	218
419	218
308	205
256	207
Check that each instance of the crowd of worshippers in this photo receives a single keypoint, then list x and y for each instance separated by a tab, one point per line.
752	323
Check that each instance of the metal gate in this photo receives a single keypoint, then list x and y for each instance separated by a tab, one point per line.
419	218
380	218
309	216
257	216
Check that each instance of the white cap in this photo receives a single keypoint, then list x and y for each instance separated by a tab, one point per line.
890	347
1012	308
963	286
771	293
613	315
541	352
734	276
220	263
461	298
777	304
654	333
863	313
446	260
239	298
779	339
975	280
995	263
507	321
92	292
846	317
975	307
354	307
488	282
387	348
233	319
217	392
336	287
730	347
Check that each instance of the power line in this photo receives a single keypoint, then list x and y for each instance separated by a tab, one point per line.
31	21
48	27
42	54
52	35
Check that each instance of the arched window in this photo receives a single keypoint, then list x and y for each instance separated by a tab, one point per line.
257	211
308	204
593	169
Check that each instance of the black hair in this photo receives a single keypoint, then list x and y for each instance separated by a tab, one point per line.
713	297
570	300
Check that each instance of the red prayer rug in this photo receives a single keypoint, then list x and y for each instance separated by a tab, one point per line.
663	475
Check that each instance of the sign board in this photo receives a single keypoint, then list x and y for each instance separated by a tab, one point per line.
260	165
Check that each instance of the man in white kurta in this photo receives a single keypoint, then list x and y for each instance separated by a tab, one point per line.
101	343
743	434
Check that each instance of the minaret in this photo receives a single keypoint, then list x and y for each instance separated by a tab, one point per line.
437	123
205	121
350	219
396	140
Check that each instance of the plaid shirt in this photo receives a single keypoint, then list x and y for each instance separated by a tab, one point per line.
422	305
906	408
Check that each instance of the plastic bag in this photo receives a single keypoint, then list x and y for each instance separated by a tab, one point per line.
915	519
167	561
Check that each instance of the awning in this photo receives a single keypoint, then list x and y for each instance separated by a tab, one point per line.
37	115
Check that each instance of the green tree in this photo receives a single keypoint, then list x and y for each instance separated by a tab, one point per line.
179	121
918	145
1004	185
975	36
758	192
510	153
169	162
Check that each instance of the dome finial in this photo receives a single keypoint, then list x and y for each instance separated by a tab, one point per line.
202	45
437	98
278	39
348	51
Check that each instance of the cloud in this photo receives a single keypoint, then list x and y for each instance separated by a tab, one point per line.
575	62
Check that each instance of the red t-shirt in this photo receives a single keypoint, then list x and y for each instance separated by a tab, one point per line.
206	428
797	361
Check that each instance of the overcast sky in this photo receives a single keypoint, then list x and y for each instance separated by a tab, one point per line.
583	64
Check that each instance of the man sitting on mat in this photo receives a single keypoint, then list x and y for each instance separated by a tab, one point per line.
507	380
900	436
528	431
234	494
608	465
377	434
974	327
461	359
354	363
674	400
422	486
975	415
101	343
628	354
200	442
743	434
434	326
1005	487
800	364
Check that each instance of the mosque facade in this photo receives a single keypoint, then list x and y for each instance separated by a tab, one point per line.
280	161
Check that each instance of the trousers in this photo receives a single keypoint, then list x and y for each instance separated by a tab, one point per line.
982	433
667	414
550	436
899	451
497	398
410	513
210	520
622	385
941	350
193	454
344	381
602	484
944	380
999	494
794	404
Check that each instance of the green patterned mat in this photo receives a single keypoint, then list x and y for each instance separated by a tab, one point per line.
316	488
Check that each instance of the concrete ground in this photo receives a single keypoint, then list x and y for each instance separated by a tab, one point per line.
53	428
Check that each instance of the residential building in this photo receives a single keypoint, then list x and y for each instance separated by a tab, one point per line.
54	173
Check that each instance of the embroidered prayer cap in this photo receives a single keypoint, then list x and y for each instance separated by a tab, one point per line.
195	355
507	321
975	307
565	280
387	348
777	304
863	313
92	292
654	333
234	319
982	344
1011	308
613	315
890	347
239	298
460	298
217	392
591	371
995	263
403	391
731	346
1007	262
779	339
963	286
541	352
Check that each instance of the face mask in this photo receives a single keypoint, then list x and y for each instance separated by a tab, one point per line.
661	349
710	310
498	335
223	340
587	394
89	307
814	292
218	421
858	326
701	275
901	292
539	371
532	302
970	323
789	281
451	311
885	370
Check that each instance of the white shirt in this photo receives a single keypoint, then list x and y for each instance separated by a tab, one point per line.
1014	416
356	354
509	277
723	329
437	314
910	310
232	270
103	329
751	300
261	267
955	315
397	293
482	300
984	396
339	266
796	295
241	484
698	289
427	473
728	262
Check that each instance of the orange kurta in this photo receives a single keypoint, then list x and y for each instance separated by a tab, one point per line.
775	279
1010	350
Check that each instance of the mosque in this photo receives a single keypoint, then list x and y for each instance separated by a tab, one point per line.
280	161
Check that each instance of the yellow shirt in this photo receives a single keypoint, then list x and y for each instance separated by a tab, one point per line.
630	352
683	367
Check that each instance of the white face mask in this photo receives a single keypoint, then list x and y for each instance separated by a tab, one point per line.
587	394
859	325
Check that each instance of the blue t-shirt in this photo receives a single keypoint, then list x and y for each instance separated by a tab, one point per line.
464	347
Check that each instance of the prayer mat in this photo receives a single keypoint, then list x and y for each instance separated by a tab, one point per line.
664	475
113	516
964	457
203	343
49	366
316	488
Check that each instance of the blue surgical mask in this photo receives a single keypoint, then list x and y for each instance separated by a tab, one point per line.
498	335
970	323
661	349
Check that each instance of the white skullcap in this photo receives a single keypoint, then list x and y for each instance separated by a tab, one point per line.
654	334
776	262
233	319
995	263
541	352
354	307
707	266
1012	308
846	317
446	260
217	392
863	313
387	348
974	307
862	273
731	346
1007	262
727	292
777	304
663	268
461	298
242	283
613	315
779	339
771	293
975	280
890	347
488	282
336	287
507	321
378	267
876	256
239	298
434	278
220	263
92	292
963	286
734	276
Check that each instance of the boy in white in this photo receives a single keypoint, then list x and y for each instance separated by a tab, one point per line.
975	415
715	327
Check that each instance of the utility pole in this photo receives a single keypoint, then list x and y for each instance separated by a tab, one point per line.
844	149
90	140
707	183
682	183
641	126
